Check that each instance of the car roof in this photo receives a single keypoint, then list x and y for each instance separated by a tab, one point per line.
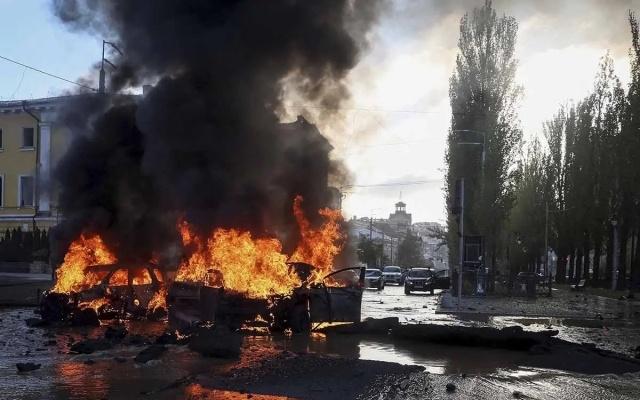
420	269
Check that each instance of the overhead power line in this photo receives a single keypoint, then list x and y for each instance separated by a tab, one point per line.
48	73
393	184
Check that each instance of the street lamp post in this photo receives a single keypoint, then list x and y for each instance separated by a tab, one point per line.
461	242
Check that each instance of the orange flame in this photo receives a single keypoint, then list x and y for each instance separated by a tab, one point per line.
229	258
318	247
257	267
254	267
83	252
159	300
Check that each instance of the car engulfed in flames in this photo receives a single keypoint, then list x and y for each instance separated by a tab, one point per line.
227	277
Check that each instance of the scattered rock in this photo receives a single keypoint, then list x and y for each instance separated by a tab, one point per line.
152	352
137	340
89	362
167	338
517	394
115	332
36	322
216	342
90	345
451	387
26	367
85	317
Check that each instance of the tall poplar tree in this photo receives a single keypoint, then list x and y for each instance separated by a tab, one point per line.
483	97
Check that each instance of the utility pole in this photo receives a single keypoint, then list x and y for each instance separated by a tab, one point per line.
547	272
101	85
461	241
614	269
391	250
370	227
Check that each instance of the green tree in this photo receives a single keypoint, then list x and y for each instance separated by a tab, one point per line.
370	252
532	189
410	252
483	97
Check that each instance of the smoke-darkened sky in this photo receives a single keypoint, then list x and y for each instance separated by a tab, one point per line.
394	128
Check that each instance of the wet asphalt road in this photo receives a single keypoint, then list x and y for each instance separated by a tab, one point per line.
392	302
477	372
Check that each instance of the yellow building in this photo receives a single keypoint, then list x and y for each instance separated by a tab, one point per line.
31	144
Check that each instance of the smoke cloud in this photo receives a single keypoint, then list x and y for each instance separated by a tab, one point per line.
205	144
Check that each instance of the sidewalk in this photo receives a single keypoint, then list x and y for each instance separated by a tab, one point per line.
562	304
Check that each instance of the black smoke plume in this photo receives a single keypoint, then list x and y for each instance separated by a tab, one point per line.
206	142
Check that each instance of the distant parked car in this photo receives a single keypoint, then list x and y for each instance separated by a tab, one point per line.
419	279
392	274
373	279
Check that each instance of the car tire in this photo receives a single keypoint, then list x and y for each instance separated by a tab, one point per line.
406	290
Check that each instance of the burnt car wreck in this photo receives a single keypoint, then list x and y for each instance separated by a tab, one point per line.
192	303
120	292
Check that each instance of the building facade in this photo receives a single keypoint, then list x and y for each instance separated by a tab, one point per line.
31	144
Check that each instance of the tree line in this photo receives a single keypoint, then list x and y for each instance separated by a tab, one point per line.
584	170
587	173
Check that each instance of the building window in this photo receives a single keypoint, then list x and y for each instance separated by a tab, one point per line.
26	190
27	138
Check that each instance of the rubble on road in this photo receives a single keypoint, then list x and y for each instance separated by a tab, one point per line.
85	317
36	322
26	367
152	352
115	332
91	345
216	341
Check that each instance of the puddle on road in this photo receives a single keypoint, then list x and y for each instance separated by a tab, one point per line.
436	359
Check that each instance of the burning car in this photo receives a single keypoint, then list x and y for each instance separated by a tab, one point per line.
192	303
227	276
114	291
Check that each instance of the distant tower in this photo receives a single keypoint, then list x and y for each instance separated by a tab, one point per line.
400	221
